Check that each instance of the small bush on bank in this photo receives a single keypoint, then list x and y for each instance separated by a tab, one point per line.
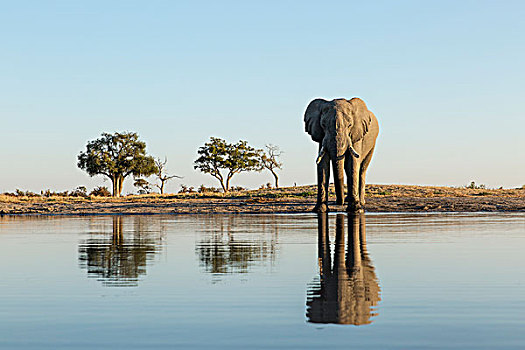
80	191
101	191
20	193
476	187
204	189
186	189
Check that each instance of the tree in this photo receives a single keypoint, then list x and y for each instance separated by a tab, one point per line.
270	161
117	156
143	185
161	174
222	160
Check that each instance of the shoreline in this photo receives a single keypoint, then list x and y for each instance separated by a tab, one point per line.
380	199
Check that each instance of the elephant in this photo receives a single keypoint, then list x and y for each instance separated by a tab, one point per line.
346	132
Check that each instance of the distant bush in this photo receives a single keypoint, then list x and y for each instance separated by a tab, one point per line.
101	191
143	185
186	189
20	193
475	187
237	188
80	191
204	189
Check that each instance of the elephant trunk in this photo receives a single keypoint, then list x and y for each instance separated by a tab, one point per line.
338	167
335	147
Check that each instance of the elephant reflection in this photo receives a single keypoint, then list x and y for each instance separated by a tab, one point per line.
118	261
348	289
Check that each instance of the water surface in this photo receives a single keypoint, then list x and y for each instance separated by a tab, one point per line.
380	281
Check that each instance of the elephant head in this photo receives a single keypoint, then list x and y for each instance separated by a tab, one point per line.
337	126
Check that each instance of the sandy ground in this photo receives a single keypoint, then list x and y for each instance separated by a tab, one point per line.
380	198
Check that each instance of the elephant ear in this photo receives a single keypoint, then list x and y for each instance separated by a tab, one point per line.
312	119
361	119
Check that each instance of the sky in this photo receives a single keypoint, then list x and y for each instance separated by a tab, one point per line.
444	78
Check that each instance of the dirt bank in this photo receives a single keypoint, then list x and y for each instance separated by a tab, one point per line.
380	198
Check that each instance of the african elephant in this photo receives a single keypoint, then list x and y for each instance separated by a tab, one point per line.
346	132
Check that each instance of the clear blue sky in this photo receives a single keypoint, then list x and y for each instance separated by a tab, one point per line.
445	79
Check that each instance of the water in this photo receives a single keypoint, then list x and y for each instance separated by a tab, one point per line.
384	281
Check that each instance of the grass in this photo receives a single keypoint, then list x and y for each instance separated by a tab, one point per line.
285	192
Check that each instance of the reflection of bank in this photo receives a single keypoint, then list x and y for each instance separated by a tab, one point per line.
231	244
347	290
118	260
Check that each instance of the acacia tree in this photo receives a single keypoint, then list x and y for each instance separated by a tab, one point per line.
117	156
222	160
270	161
161	174
143	185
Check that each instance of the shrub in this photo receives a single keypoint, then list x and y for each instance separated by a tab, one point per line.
80	191
475	187
204	189
20	193
101	191
186	189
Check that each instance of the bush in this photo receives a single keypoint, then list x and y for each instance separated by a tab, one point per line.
20	193
101	191
143	185
186	189
475	187
80	191
204	189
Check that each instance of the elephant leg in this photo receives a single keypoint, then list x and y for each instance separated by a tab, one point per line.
323	177
352	166
362	176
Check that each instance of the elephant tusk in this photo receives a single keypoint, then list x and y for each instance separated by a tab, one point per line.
354	153
321	155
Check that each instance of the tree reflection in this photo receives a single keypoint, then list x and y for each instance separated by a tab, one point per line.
347	290
230	245
119	260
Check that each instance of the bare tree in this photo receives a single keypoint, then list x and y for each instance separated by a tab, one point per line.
270	161
161	174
